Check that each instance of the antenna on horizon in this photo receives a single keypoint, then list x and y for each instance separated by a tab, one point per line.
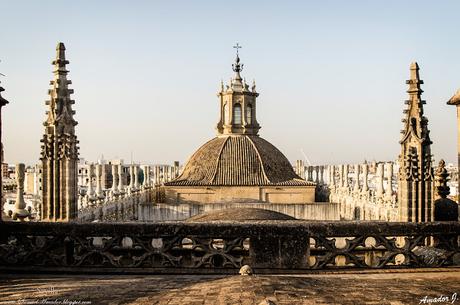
2	73
305	156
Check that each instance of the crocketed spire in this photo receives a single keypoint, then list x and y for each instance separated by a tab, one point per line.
415	185
59	153
60	113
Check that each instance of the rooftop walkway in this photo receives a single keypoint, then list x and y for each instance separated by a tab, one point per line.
405	286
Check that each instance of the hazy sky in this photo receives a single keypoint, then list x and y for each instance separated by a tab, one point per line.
331	74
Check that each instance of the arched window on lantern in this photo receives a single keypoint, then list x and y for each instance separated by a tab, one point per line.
225	115
249	114
237	114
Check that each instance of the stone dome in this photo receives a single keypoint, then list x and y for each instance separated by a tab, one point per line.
240	214
238	160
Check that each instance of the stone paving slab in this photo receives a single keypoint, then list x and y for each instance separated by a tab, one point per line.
392	288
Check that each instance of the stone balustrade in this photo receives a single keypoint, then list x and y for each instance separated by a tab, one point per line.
120	202
364	191
223	247
311	173
316	174
363	195
165	173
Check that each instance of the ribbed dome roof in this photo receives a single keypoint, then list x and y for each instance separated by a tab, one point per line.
240	160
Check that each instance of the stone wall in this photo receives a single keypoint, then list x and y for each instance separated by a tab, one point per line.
269	194
157	212
225	246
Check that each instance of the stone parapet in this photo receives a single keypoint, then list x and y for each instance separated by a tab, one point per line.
364	192
225	246
115	207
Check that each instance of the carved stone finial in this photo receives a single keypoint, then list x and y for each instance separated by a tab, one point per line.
445	209
20	211
414	68
442	176
237	66
245	85
60	51
60	62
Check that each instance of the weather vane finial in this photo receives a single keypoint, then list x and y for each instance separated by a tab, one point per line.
237	67
237	47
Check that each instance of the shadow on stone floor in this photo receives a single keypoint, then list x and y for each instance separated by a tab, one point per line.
97	289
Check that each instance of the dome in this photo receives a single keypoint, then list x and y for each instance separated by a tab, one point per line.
240	214
238	160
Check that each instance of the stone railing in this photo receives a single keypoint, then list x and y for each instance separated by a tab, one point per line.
120	202
165	173
364	195
223	247
316	174
364	191
121	207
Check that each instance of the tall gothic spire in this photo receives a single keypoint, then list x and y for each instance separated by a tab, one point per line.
59	153
415	191
415	123
60	114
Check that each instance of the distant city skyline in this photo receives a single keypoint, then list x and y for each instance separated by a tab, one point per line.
331	75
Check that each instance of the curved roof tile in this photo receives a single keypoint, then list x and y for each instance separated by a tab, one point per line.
238	161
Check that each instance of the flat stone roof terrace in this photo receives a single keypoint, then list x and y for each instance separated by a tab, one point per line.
394	287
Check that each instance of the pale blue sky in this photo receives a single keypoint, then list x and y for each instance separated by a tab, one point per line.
331	74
